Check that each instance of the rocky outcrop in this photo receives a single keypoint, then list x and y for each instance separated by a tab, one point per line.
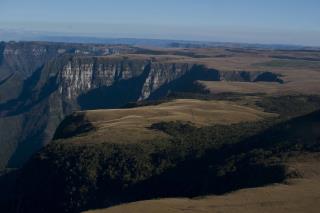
161	74
70	83
19	60
81	75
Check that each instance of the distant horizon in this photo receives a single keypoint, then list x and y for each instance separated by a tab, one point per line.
43	36
288	22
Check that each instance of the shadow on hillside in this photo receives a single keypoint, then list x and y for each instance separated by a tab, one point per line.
186	83
115	96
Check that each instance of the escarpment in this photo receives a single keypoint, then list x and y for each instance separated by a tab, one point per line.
58	79
19	60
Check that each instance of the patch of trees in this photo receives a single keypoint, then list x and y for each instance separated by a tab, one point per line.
192	162
290	105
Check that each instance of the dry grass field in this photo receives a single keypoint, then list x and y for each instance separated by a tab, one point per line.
306	86
296	195
132	125
300	70
242	87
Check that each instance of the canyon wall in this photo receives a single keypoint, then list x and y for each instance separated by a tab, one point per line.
41	83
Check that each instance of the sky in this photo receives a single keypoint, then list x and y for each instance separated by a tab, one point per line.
249	21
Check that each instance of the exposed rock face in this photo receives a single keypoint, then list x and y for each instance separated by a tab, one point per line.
31	106
57	79
161	74
80	75
54	90
76	78
19	60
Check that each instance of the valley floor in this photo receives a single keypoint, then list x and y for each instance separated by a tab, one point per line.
296	195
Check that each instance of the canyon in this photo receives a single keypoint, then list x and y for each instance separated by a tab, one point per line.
89	126
41	83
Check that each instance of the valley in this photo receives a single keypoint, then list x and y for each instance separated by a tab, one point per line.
164	106
93	126
57	79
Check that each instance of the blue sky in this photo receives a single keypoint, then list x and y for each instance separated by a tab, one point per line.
253	21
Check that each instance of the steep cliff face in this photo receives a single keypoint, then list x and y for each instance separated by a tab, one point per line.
70	83
161	74
30	105
53	80
81	75
24	58
113	82
19	60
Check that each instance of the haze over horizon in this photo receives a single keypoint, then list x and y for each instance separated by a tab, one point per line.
248	21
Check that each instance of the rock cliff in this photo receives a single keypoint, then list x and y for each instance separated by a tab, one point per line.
41	83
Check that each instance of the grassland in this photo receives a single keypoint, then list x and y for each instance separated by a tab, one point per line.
189	148
304	86
192	160
242	87
298	193
300	70
133	125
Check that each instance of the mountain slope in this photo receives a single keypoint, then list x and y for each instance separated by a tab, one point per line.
105	126
68	176
41	83
297	195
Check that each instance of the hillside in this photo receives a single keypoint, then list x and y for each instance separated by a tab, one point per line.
57	79
191	160
107	126
125	106
299	194
93	129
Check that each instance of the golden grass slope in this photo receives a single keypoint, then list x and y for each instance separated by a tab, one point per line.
296	196
132	125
